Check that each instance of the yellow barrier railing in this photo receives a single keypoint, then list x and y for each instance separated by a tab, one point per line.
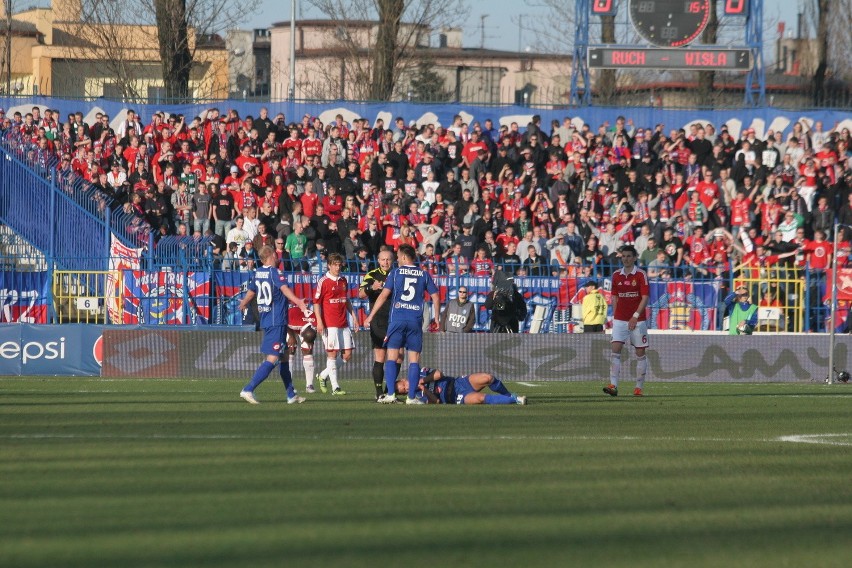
86	296
780	298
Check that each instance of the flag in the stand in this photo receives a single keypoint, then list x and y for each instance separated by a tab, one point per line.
121	257
166	298
844	285
683	305
23	297
230	288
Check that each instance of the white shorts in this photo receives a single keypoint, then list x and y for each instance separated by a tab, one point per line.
338	339
638	337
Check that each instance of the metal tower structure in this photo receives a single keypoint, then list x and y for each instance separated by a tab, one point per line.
579	64
755	85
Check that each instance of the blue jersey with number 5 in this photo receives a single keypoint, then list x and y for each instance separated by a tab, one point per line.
407	285
271	302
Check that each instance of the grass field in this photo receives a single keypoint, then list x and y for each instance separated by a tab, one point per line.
183	473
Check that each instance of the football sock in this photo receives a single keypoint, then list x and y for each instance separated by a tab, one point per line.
291	362
413	378
499	399
642	371
391	371
259	375
498	386
615	369
379	378
308	364
331	369
287	378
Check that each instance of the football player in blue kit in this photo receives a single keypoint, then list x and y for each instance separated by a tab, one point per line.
272	293
436	388
404	289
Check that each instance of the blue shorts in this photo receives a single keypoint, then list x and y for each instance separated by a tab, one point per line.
463	387
408	334
273	340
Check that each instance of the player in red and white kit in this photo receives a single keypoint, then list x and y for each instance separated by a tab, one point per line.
331	306
630	294
301	333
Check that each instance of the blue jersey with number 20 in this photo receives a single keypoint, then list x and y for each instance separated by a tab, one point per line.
407	285
271	302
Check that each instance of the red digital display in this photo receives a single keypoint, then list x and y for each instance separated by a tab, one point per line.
736	7
650	58
603	7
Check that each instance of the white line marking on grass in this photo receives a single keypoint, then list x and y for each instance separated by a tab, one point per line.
529	384
845	439
190	437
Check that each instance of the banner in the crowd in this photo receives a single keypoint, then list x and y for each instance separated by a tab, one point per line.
539	293
844	298
165	298
121	257
761	119
683	304
229	288
673	304
844	285
24	297
841	317
62	350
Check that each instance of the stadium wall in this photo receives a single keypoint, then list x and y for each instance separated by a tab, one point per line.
712	357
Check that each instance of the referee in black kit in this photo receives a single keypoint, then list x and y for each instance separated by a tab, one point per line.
370	289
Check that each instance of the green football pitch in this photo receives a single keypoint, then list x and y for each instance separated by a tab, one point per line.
184	473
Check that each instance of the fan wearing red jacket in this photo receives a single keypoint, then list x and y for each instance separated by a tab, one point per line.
630	293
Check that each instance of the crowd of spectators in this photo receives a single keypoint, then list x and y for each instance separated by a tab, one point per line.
535	200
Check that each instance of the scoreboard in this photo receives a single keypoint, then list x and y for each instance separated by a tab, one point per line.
669	27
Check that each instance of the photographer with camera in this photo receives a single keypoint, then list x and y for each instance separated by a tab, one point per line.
506	303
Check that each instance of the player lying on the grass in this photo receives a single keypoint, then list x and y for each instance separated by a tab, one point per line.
437	388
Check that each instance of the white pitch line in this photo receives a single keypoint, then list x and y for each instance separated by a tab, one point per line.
190	437
529	384
822	439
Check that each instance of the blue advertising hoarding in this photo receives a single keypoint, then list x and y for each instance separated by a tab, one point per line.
60	350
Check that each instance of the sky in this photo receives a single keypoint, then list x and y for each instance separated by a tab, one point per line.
503	18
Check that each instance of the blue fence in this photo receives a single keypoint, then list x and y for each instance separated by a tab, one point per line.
186	285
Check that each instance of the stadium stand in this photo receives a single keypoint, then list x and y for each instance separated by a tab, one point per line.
550	204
